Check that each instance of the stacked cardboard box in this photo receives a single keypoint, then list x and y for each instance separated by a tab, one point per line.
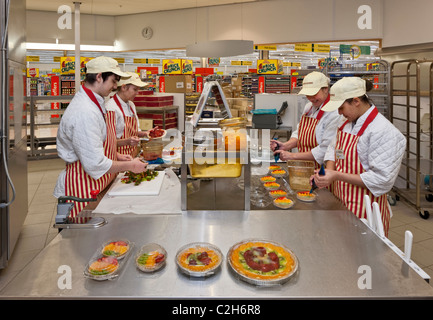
239	106
176	83
153	101
150	119
158	119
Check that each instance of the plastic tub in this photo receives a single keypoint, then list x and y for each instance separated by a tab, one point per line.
299	174
151	150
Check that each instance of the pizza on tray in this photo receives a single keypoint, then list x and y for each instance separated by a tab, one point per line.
199	259
262	260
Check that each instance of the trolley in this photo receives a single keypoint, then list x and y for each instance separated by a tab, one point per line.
411	112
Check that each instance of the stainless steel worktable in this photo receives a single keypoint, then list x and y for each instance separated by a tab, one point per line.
333	248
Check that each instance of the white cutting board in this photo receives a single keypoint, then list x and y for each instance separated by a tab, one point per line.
146	188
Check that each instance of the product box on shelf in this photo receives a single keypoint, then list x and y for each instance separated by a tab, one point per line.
176	83
145	124
269	66
153	101
177	66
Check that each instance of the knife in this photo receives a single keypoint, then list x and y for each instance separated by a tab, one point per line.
321	173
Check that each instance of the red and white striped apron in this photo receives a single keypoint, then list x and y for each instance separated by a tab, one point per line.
348	161
307	131
77	182
130	128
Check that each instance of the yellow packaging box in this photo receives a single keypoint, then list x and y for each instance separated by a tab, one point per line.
269	66
177	66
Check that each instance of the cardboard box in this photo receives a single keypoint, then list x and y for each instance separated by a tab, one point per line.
177	66
178	83
270	66
146	124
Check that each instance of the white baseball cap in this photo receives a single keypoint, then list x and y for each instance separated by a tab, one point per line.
313	82
104	64
133	79
343	89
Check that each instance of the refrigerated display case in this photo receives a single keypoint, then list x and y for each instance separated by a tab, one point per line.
13	131
43	122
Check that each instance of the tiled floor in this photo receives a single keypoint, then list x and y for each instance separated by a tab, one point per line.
37	231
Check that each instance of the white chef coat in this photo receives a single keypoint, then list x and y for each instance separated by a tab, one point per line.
111	105
80	136
380	149
326	130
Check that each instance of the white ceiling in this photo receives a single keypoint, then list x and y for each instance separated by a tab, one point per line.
123	7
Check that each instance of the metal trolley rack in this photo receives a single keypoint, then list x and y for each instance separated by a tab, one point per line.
415	178
376	71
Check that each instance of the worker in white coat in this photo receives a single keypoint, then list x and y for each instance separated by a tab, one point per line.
126	119
366	155
86	141
316	128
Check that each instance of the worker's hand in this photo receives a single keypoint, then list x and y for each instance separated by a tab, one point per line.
326	180
123	157
133	141
284	155
137	165
275	143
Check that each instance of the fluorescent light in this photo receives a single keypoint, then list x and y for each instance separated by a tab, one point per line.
54	46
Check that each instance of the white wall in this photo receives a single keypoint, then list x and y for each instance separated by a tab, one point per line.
407	22
42	27
396	22
273	21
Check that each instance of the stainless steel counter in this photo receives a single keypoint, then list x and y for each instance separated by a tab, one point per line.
334	250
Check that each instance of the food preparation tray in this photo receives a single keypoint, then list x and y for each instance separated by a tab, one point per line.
196	247
146	188
266	280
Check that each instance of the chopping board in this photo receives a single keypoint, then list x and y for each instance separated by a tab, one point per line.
146	188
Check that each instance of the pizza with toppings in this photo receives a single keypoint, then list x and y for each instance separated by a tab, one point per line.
262	260
199	259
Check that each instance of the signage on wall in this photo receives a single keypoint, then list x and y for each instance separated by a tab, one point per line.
241	63
265	48
55	91
354	49
147	61
33	58
312	47
32	72
213	62
120	60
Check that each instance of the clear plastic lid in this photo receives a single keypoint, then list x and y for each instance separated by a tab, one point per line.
108	260
288	262
116	248
151	257
199	259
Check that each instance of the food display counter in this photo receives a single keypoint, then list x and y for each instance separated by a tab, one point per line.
338	256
